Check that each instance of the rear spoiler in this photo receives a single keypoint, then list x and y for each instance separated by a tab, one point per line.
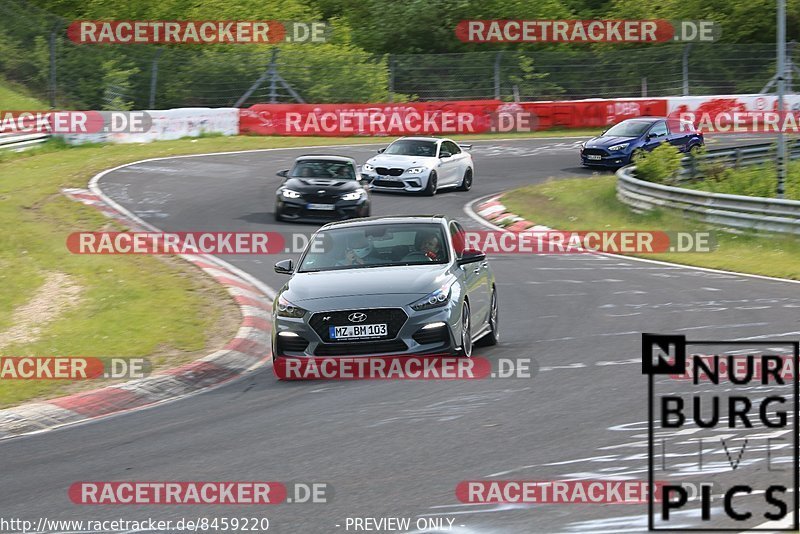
465	147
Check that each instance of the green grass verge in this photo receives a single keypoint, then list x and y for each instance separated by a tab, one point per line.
16	97
591	204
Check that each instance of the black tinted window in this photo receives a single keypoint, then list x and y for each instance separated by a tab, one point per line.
319	168
412	147
659	129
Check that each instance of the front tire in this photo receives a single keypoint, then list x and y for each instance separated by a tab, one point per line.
466	332
493	337
433	183
278	216
466	181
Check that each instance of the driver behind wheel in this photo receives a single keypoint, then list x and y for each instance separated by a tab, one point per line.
429	244
358	252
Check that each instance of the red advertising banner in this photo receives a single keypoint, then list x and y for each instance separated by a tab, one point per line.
593	113
413	118
738	114
439	118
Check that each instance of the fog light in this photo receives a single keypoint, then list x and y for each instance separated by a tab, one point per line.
433	325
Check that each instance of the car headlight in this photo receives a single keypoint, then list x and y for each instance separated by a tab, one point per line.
354	195
288	193
367	167
416	170
287	309
436	299
583	145
619	147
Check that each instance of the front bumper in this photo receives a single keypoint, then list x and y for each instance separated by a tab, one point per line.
410	183
410	338
297	209
607	158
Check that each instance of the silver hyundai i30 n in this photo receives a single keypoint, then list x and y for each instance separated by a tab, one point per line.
386	285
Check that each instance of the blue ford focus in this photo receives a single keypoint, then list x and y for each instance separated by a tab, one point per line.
617	146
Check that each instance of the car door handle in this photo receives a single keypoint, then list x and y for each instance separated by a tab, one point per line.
484	264
477	270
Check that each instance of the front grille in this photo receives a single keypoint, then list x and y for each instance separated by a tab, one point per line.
323	198
388	183
291	344
394	171
394	318
361	349
432	335
323	215
594	152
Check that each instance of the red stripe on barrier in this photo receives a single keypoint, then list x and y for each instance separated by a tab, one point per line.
256	322
519	226
85	196
442	117
247	346
101	401
410	118
247	301
200	374
236	283
204	265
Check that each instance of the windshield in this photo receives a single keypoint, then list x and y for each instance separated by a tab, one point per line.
411	147
323	168
628	129
379	245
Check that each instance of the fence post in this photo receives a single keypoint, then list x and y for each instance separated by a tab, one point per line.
644	86
685	69
154	79
497	75
51	90
391	78
780	162
273	79
787	72
269	73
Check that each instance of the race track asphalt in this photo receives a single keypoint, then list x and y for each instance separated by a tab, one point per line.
399	448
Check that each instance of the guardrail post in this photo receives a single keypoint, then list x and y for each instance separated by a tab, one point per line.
692	166
738	162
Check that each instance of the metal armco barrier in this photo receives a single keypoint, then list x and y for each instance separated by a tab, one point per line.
734	211
735	157
15	142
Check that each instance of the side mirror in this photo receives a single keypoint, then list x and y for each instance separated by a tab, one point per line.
445	154
380	150
471	255
284	267
284	173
